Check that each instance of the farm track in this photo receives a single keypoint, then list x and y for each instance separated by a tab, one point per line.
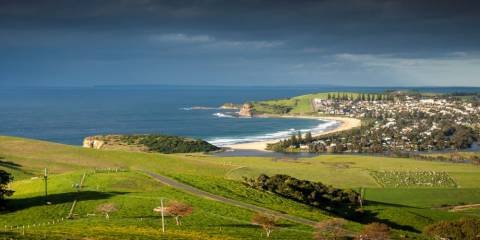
198	192
464	207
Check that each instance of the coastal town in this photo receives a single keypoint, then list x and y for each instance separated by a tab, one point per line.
394	122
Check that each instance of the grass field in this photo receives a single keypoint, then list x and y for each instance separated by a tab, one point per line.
299	104
135	195
408	210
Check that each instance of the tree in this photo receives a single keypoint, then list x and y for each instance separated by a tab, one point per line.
293	140
308	137
5	179
375	231
177	210
331	229
267	222
107	209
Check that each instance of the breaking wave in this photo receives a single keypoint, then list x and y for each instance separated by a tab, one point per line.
222	115
198	108
225	141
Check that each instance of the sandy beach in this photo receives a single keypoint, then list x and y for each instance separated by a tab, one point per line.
345	123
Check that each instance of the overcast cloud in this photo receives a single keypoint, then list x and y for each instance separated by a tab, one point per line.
334	42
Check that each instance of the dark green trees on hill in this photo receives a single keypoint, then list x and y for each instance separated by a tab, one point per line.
335	200
171	144
5	179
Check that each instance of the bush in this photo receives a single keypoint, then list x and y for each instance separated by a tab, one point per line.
331	229
467	228
375	231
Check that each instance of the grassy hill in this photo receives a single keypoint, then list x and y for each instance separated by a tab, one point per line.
406	208
295	105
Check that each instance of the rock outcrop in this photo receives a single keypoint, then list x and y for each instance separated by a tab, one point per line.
246	110
93	142
230	106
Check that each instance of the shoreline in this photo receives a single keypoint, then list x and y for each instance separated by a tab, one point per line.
345	123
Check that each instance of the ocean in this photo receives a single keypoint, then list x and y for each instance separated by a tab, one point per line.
69	114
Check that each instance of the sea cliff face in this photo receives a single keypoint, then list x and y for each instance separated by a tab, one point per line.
246	110
93	142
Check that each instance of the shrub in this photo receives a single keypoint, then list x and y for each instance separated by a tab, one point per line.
331	229
466	228
107	209
375	231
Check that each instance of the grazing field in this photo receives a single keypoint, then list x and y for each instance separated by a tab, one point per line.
406	209
135	196
399	179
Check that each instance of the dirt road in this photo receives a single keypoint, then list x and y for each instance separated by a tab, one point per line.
195	191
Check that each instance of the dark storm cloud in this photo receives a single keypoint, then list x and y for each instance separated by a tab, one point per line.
310	38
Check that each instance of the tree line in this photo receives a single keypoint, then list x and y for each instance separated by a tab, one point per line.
360	96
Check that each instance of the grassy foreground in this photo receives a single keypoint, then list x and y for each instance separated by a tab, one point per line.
406	209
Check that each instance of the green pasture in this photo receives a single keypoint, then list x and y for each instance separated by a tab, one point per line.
299	104
135	195
406	209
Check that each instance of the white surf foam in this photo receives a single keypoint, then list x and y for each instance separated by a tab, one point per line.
198	108
222	115
225	141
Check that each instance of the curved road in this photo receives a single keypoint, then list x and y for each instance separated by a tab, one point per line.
195	191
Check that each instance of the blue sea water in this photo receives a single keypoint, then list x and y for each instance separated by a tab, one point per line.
67	115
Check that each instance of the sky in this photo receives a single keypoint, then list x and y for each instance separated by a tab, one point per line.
240	42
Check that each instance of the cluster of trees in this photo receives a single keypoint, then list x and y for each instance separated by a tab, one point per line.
467	228
170	144
294	141
335	200
360	97
5	179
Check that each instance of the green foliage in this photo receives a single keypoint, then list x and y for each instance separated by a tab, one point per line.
5	179
275	108
467	228
338	201
413	179
171	144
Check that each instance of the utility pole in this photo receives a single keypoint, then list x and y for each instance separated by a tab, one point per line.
45	178
163	221
362	195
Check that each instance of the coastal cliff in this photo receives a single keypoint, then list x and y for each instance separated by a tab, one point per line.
92	142
246	110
